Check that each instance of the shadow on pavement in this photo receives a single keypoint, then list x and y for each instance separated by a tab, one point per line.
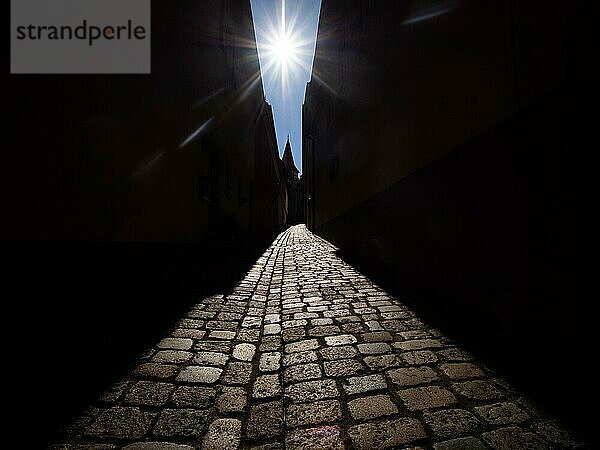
543	346
77	314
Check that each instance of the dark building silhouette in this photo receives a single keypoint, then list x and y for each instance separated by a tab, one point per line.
442	147
270	186
127	197
301	210
163	157
294	187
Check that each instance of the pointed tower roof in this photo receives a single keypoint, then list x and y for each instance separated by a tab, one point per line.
288	157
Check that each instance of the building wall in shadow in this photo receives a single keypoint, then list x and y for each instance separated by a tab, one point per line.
126	198
443	155
397	85
164	157
270	190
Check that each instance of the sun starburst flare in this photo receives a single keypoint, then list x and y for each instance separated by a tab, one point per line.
283	49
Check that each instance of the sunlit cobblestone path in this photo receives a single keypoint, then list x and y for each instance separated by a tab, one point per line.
306	353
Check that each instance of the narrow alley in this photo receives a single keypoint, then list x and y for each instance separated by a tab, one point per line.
315	224
307	353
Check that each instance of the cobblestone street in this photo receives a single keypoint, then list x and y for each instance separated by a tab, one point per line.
307	353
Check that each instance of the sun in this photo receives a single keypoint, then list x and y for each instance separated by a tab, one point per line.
283	50
282	53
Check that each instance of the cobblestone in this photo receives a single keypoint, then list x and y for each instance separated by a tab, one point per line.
223	434
466	443
359	385
374	349
175	344
270	343
461	371
266	420
149	393
180	423
172	356
293	334
219	334
379	336
419	357
324	330
213	346
273	328
387	434
372	407
198	374
244	352
514	437
248	335
382	362
502	413
412	376
302	346
314	413
159	371
325	437
193	397
426	397
303	372
454	354
552	432
343	339
149	446
343	367
238	373
211	358
232	400
267	386
113	393
121	422
307	353
338	352
270	362
478	390
418	344
299	358
312	390
451	422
